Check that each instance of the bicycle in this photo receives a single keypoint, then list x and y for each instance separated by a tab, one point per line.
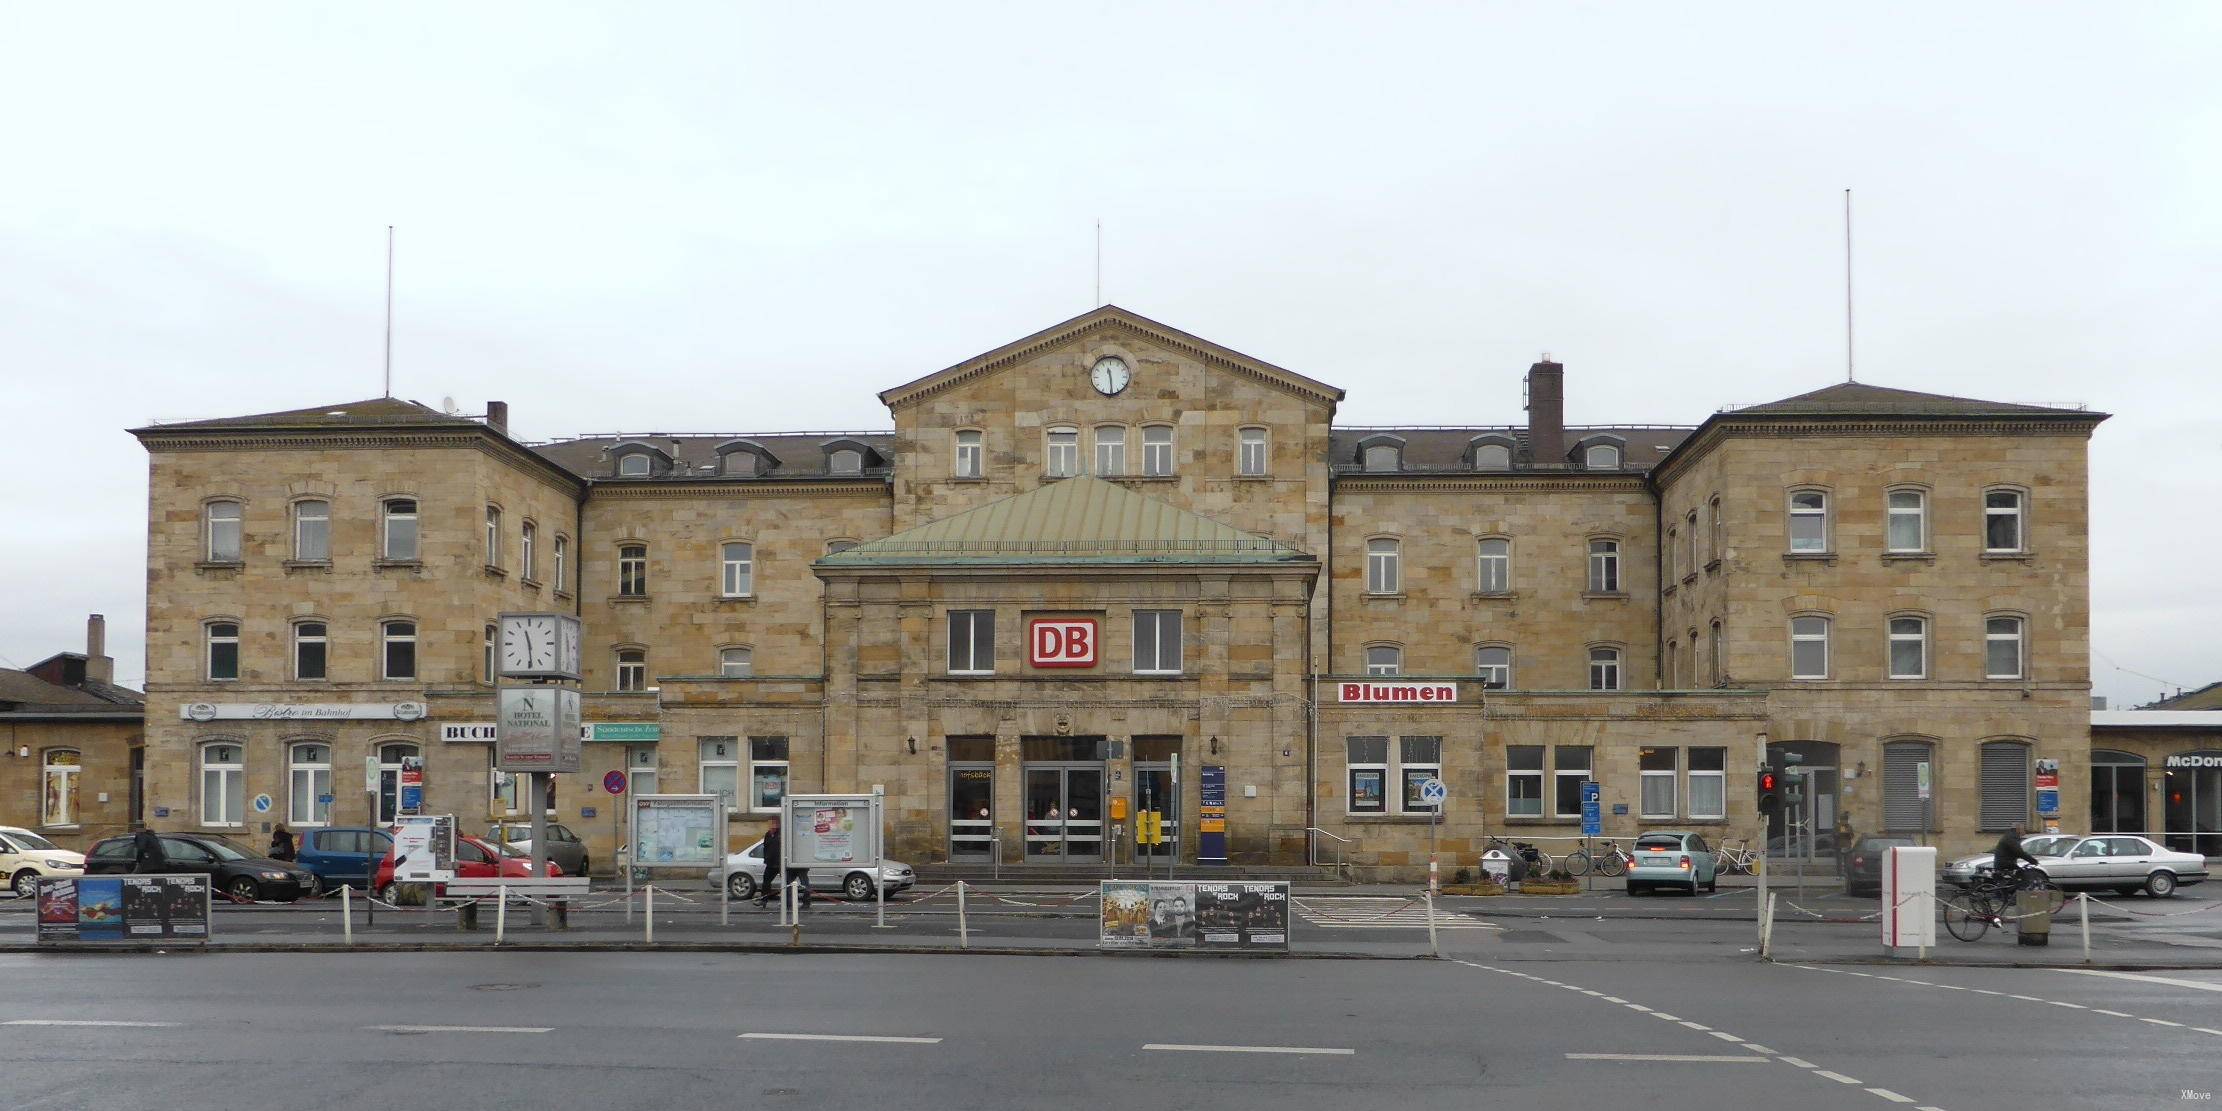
1989	901
1737	859
1612	860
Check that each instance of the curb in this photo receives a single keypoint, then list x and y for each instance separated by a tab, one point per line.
2100	966
145	949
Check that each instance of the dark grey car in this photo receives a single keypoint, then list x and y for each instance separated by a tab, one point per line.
564	846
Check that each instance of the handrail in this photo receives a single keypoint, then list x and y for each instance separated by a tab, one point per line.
1311	854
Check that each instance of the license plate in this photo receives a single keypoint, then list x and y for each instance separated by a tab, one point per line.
1657	858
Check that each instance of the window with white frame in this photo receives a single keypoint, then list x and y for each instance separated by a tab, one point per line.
1063	459
632	571
1523	781
1604	669
1157	450
1601	457
2003	656
1604	567
223	650
1493	664
493	536
632	669
222	523
1383	555
223	784
2002	521
527	555
398	529
58	786
767	774
972	642
1418	759
1907	526
309	784
641	768
1495	556
1656	767
1157	645
1384	659
1368	774
2003	770
311	650
1251	452
1909	647
736	663
312	531
562	562
845	461
1809	521
969	454
397	650
1111	450
634	464
1708	783
1717	530
1569	769
1384	458
486	657
738	566
1809	647
719	762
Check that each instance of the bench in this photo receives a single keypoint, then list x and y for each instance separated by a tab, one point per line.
557	891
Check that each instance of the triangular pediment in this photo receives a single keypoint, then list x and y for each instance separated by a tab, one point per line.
1110	320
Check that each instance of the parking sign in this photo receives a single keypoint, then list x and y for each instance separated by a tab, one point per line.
1593	820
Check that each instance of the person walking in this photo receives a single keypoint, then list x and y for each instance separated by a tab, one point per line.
281	843
775	865
146	852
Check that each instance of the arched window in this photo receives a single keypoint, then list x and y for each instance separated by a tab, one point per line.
1907	526
969	454
312	531
1718	530
1111	450
1062	459
398	529
223	784
1909	647
58	786
562	562
1809	647
398	650
1495	565
1157	450
308	783
311	650
493	536
223	650
527	553
1604	567
488	674
737	560
2004	803
222	524
1384	659
1604	669
739	464
1713	676
635	464
2004	654
1383	574
2003	531
1490	453
632	571
632	669
1493	663
736	663
1601	457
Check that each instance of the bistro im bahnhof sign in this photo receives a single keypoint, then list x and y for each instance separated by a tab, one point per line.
1396	692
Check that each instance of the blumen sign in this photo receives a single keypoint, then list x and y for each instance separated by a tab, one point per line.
1396	692
1065	642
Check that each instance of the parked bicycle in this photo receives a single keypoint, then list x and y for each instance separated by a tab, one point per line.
1539	861
1991	900
1737	858
1611	860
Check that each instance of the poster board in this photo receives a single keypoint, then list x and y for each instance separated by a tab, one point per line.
424	849
170	908
829	831
672	831
1155	914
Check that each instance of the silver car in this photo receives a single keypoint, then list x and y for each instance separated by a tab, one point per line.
2123	862
1967	869
564	846
743	874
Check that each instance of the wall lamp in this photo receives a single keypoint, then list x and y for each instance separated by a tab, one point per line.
913	746
1215	746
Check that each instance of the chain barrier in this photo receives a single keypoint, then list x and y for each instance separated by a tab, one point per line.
2147	913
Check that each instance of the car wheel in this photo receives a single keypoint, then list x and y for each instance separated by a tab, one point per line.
244	888
26	883
858	887
584	863
2160	885
740	885
1713	885
386	894
1635	889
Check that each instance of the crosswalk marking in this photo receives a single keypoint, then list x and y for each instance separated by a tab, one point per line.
1367	913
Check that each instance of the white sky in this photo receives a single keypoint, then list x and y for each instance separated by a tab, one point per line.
713	217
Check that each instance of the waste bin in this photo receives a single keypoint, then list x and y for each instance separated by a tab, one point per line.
2033	917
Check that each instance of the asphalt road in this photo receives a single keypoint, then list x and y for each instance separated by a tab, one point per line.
558	1031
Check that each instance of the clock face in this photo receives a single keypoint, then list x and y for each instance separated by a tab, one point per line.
528	644
1110	375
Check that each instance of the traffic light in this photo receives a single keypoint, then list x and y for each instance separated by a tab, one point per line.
1770	791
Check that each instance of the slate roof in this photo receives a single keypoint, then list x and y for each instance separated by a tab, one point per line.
800	455
1072	520
23	692
1859	399
2208	697
1438	450
374	412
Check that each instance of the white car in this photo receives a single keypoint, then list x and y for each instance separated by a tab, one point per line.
1967	869
25	856
2123	862
744	873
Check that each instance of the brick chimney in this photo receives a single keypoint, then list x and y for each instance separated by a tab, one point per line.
1547	413
497	416
98	665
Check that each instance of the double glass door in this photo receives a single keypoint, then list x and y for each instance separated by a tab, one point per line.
971	811
1064	812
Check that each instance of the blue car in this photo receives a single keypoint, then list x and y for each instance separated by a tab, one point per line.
1672	858
343	856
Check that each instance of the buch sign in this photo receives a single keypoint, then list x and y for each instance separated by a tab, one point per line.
123	908
1396	692
1067	642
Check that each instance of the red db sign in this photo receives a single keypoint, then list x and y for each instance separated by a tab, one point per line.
1068	643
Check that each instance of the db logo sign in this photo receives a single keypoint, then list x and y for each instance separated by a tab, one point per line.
1070	643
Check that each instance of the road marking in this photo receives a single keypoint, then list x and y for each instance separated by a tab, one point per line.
2104	1011
1727	1037
1755	1047
1698	1058
1836	1076
2208	1030
1638	1007
2171	981
1891	1096
77	1022
2076	1006
1799	1062
1696	1025
412	1029
2160	1022
1666	1016
840	1038
1178	1048
1614	999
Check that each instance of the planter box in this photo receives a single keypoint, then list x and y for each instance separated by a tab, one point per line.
1550	887
1473	889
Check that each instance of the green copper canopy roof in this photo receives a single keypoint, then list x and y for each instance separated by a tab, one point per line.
1071	520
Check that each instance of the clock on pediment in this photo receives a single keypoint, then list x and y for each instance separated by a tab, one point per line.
539	646
1110	375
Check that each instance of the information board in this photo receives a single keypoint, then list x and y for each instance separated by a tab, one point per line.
828	830
674	831
1151	914
1211	815
424	849
123	908
1593	820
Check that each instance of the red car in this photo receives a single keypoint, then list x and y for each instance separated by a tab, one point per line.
474	860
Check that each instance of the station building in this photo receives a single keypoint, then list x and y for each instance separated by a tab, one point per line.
1112	548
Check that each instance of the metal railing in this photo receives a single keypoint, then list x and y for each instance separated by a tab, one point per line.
1311	854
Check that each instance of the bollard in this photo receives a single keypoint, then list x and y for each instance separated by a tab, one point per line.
1434	948
794	912
347	918
2085	899
501	912
879	887
1767	930
964	936
725	902
650	914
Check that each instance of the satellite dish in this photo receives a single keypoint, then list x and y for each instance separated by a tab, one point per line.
447	405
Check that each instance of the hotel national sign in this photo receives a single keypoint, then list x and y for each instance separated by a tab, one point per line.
1354	692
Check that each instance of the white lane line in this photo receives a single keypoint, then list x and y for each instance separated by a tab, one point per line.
1755	1047
840	1038
1799	1062
2026	998
2073	1006
412	1029
1177	1048
1695	1058
1836	1076
1727	1037
2171	981
2111	1014
1890	1095
1698	1026
2208	1030
1613	999
1666	1016
2160	1022
1638	1007
77	1022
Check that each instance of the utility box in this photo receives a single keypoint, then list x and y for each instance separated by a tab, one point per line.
1909	896
2033	917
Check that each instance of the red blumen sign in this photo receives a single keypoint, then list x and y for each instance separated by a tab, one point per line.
1068	642
1397	692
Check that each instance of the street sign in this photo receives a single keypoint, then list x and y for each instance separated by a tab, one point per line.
1593	820
262	804
614	783
1433	792
1921	780
324	800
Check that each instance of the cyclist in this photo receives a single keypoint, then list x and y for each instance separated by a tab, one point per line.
2006	858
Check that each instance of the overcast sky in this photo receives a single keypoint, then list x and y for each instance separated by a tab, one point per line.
721	218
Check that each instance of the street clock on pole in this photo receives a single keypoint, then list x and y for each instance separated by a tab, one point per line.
539	646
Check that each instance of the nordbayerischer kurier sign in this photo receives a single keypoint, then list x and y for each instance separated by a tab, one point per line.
1396	692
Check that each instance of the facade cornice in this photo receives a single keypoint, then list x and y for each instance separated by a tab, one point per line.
1477	484
1724	425
844	489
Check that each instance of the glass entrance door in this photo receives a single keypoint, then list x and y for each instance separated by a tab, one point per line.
1064	813
1153	790
971	811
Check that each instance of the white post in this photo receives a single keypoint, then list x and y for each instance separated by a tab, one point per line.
1767	932
794	911
964	937
879	888
501	911
2085	899
1759	910
650	915
347	913
879	856
1434	948
725	902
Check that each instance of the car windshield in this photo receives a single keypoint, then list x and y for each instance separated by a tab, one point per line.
227	849
32	842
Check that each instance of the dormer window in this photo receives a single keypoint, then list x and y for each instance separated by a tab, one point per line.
744	459
845	461
1490	453
1381	454
634	465
1601	457
739	463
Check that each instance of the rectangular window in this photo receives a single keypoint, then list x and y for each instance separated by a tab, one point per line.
1111	451
2005	786
1157	450
223	785
1708	783
739	578
1673	550
400	527
1493	663
1369	774
1157	642
632	571
1691	535
1809	521
58	788
1656	766
1909	648
1523	781
972	642
224	531
1604	669
1718	529
1419	759
486	657
312	531
1382	571
493	537
968	455
1382	659
309	647
2002	531
736	663
1604	567
767	773
632	669
1496	566
1570	767
1904	808
1064	453
399	651
1250	456
640	764
223	650
1809	648
525	554
562	560
2002	648
1907	529
309	782
720	762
